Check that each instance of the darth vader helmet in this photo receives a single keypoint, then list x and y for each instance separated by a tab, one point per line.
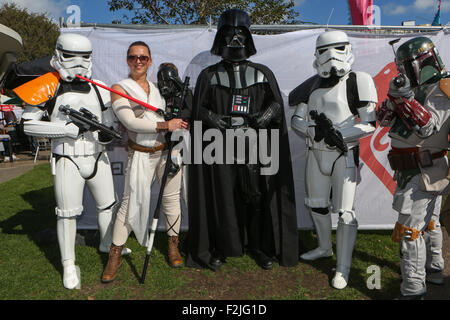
233	40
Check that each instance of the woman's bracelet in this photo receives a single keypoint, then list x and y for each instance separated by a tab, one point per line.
162	126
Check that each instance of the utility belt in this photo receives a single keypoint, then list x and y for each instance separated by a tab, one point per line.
235	122
400	230
133	145
401	159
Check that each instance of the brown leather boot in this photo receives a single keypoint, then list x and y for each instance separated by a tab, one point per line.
114	262
175	259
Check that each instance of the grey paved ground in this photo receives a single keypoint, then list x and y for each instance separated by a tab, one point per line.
23	163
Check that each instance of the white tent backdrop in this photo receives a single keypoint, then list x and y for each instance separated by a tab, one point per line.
289	56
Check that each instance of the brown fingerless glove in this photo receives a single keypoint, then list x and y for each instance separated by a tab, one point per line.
162	126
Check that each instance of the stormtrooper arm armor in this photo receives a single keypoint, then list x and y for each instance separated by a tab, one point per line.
299	123
33	126
363	128
367	93
126	116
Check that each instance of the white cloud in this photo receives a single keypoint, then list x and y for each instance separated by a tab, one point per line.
54	8
418	6
394	9
298	3
424	4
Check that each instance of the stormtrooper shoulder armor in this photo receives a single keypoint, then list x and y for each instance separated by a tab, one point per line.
366	87
303	91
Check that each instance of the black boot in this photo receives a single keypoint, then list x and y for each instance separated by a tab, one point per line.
262	259
217	259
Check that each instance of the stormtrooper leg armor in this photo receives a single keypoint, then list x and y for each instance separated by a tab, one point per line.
318	190
69	193
344	188
343	183
71	174
102	187
322	223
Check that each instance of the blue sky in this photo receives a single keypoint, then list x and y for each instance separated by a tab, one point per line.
318	11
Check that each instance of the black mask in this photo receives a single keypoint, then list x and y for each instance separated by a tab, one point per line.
169	83
234	48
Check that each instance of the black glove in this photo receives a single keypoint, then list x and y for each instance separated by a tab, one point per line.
331	142
212	119
173	168
264	118
104	137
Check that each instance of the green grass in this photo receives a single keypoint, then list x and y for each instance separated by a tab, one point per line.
32	270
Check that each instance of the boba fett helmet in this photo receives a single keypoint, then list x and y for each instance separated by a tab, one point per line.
419	60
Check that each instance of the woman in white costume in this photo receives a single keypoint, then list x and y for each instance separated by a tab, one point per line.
146	159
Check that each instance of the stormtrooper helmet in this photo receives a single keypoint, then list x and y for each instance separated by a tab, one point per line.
333	54
72	56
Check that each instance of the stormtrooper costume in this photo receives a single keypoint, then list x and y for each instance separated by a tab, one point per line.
79	156
418	114
348	99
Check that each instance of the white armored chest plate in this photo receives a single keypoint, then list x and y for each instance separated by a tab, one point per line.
333	103
86	143
77	101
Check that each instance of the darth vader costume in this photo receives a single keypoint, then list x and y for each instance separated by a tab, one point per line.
233	208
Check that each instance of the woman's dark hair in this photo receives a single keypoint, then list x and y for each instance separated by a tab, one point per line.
139	43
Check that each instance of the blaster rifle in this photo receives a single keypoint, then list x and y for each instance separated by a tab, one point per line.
88	120
325	130
175	110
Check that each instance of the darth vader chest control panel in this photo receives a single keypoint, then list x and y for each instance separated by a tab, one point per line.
240	105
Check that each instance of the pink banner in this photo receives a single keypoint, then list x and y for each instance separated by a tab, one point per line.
361	12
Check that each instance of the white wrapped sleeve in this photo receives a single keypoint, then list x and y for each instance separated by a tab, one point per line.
127	117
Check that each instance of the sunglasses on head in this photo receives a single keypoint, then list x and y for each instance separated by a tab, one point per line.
133	58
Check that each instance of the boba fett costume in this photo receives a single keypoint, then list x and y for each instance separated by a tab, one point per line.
418	110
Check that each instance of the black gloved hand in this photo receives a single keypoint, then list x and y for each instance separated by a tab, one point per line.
104	137
212	119
318	133
264	118
332	143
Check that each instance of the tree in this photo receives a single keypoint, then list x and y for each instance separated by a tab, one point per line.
38	32
199	11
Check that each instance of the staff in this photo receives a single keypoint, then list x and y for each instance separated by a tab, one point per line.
161	190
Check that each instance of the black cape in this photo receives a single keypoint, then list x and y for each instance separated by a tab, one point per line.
215	211
20	73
